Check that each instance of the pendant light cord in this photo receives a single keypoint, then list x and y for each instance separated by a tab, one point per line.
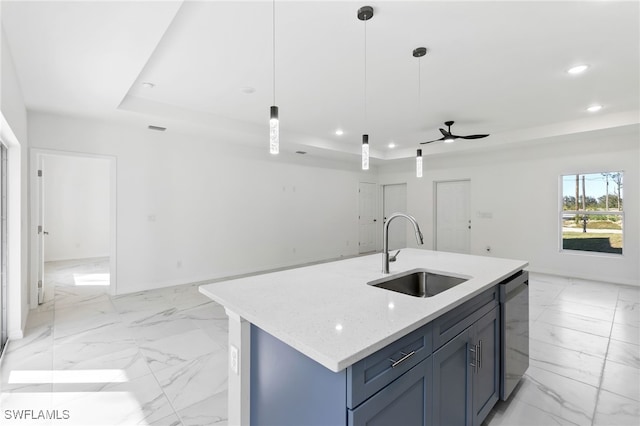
365	76
419	87
419	90
274	51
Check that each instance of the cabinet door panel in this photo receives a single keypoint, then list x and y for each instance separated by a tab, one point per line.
486	388
406	401
373	373
455	321
452	382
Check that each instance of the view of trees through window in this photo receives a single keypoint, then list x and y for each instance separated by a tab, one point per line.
592	214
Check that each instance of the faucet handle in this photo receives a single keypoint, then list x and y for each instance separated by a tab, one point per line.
393	258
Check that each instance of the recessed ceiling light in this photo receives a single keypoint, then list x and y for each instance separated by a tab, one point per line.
594	108
248	90
158	128
339	132
148	85
391	145
578	69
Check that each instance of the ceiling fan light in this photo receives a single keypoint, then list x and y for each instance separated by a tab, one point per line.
448	140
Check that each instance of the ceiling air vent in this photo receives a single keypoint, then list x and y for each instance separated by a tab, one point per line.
158	128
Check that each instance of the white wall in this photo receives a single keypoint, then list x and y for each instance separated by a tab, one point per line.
191	209
520	187
76	207
14	113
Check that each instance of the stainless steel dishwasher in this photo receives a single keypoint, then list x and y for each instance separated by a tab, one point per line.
514	331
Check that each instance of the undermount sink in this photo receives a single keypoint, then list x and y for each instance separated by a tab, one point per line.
418	283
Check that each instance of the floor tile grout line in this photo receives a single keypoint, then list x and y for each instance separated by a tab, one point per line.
604	365
575	329
557	415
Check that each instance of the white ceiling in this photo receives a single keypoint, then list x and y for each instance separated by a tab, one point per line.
495	67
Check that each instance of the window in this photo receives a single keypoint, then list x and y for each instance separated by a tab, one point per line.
592	214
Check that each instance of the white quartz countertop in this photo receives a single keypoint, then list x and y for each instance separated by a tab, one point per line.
330	314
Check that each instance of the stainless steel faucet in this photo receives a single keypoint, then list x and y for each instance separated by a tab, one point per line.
385	238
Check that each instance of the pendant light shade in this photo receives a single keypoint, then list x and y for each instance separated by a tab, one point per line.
274	121
419	163
274	131
365	152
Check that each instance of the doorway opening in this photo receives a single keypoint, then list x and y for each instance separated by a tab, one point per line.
453	216
367	220
74	219
394	200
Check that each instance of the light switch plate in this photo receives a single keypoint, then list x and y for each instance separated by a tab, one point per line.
233	359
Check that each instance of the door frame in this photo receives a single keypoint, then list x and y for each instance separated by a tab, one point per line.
435	208
36	156
4	245
15	303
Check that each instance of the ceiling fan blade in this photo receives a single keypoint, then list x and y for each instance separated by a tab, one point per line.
435	140
472	137
444	133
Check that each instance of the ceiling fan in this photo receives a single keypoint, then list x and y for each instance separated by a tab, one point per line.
447	136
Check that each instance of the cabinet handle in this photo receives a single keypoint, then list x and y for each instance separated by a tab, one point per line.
480	354
474	362
401	360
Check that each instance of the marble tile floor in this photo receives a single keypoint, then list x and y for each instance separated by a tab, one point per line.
150	358
159	357
584	356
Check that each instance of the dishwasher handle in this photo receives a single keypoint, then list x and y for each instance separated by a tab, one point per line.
513	285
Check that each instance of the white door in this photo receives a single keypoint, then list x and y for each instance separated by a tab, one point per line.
367	217
395	201
453	217
41	231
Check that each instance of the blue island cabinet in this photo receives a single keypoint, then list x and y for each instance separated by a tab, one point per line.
444	373
406	401
466	374
390	387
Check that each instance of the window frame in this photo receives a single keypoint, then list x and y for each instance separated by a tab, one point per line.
581	212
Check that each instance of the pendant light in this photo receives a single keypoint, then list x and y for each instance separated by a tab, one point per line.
365	152
419	52
274	122
364	14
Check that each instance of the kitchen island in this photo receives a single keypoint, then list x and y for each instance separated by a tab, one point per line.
327	318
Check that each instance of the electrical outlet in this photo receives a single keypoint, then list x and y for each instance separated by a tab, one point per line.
233	359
